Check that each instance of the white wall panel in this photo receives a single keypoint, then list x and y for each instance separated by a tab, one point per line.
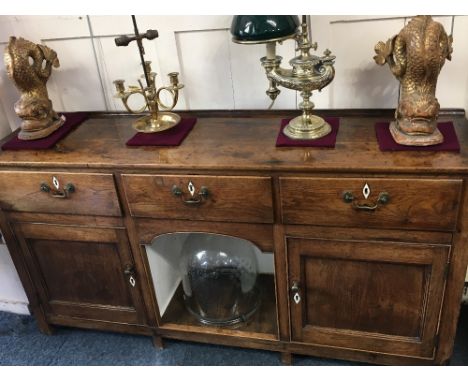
202	54
117	25
35	28
4	124
452	86
359	81
321	34
76	84
249	79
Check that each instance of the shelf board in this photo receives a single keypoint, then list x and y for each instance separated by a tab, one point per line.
263	325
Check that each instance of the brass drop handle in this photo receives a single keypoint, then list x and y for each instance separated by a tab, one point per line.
384	198
129	271
296	292
57	193
196	199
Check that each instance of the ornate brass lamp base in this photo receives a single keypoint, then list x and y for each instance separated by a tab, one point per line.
152	124
28	135
312	127
402	138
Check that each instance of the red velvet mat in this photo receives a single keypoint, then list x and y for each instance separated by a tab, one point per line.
387	143
326	141
171	137
72	120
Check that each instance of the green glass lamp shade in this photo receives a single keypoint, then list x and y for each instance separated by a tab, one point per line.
262	29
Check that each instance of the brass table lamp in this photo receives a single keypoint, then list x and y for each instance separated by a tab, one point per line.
308	72
157	120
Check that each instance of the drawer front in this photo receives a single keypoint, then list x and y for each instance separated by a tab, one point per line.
90	194
426	204
216	198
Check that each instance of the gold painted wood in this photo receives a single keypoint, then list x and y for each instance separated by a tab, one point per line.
416	56
34	106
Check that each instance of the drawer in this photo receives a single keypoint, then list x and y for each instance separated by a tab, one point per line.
216	198
426	204
90	194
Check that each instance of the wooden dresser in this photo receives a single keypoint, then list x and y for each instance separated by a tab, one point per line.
369	247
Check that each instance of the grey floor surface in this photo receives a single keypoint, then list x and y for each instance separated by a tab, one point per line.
21	343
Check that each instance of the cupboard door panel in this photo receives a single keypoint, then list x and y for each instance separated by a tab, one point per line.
80	272
369	295
362	303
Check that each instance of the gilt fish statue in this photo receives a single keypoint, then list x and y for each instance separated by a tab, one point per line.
416	56
29	65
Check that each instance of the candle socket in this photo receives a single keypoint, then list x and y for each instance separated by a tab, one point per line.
174	78
119	86
148	67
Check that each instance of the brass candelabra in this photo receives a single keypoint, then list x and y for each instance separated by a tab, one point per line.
157	120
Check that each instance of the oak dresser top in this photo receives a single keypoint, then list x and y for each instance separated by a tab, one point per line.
236	141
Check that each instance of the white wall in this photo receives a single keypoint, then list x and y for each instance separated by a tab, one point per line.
218	74
12	296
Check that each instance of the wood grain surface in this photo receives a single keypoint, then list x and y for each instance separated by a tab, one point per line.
425	204
239	199
379	286
94	194
219	142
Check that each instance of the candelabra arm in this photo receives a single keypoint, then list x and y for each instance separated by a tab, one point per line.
173	89
126	95
174	94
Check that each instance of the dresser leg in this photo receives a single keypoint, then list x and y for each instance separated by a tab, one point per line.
286	358
447	362
42	324
158	342
44	327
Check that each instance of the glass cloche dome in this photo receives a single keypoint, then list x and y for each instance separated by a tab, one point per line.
219	275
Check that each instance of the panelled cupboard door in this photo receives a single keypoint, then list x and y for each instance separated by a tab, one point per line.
370	295
82	272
